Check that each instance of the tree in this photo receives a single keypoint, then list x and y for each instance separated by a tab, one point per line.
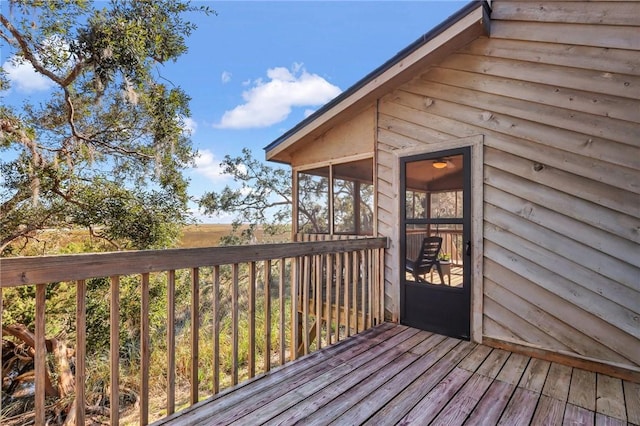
106	151
262	197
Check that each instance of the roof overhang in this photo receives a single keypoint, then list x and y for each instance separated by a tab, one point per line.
464	26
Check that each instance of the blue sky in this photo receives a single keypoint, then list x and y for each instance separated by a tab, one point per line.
257	68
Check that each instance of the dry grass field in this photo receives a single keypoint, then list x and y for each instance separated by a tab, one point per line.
203	235
66	241
208	235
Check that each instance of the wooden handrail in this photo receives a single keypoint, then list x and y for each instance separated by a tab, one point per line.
337	290
16	271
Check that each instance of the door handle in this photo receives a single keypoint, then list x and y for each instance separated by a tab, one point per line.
468	248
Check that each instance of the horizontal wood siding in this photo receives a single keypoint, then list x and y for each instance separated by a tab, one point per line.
555	90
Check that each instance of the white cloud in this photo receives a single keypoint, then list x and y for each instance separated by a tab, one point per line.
308	112
54	56
226	77
209	166
270	102
24	77
189	125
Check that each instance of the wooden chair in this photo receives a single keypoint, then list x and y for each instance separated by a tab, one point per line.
426	260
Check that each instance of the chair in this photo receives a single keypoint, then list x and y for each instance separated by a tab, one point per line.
426	260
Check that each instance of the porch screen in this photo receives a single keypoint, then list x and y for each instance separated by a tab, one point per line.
344	207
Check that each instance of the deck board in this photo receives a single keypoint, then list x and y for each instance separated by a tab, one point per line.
574	415
416	391
583	389
490	407
632	400
394	374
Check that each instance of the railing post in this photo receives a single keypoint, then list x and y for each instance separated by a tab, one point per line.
41	355
81	349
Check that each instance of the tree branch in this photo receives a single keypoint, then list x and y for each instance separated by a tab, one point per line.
27	52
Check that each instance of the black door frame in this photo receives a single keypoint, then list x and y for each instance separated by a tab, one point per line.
464	294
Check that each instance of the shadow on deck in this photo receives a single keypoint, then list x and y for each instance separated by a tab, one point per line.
393	374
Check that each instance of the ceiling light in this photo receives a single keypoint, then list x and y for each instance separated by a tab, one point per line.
439	164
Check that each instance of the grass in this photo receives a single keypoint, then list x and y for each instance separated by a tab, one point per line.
202	235
67	241
206	360
208	235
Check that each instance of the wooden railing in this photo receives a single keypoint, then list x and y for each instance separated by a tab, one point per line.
321	292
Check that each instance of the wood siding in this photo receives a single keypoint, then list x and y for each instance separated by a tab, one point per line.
555	90
354	137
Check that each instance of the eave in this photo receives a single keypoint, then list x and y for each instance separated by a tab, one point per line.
466	25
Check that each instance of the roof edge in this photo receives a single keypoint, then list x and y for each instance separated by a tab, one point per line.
421	41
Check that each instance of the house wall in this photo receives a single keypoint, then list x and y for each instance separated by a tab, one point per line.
351	138
555	91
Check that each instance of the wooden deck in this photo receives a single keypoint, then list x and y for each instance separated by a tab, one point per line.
393	374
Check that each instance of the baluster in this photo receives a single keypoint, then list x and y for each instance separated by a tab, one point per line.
216	329
328	285
305	304
145	350
234	324
114	316
347	293
171	342
379	285
195	332
267	315
369	256
318	299
252	319
295	289
363	285
282	308
338	291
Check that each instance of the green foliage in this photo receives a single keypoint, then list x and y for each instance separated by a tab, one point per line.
20	302
106	151
262	196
